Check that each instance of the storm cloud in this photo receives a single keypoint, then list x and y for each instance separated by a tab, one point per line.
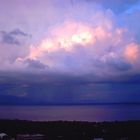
69	47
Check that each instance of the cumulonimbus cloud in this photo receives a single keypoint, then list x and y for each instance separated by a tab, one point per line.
80	45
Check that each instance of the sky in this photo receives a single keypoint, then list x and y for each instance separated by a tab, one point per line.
69	51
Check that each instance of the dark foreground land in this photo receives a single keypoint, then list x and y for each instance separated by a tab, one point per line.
65	130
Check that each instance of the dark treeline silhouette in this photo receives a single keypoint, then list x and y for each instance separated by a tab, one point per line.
73	130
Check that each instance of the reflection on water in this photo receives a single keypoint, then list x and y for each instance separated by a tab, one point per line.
70	113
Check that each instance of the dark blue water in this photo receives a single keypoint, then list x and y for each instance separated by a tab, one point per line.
79	113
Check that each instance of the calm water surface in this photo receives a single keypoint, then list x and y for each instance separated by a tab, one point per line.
70	113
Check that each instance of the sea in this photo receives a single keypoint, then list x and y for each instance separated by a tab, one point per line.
90	113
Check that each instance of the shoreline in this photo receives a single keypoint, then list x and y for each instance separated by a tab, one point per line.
73	129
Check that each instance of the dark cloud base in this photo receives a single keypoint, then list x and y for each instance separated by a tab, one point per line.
31	89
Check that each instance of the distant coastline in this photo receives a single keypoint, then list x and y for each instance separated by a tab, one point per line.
73	129
69	104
